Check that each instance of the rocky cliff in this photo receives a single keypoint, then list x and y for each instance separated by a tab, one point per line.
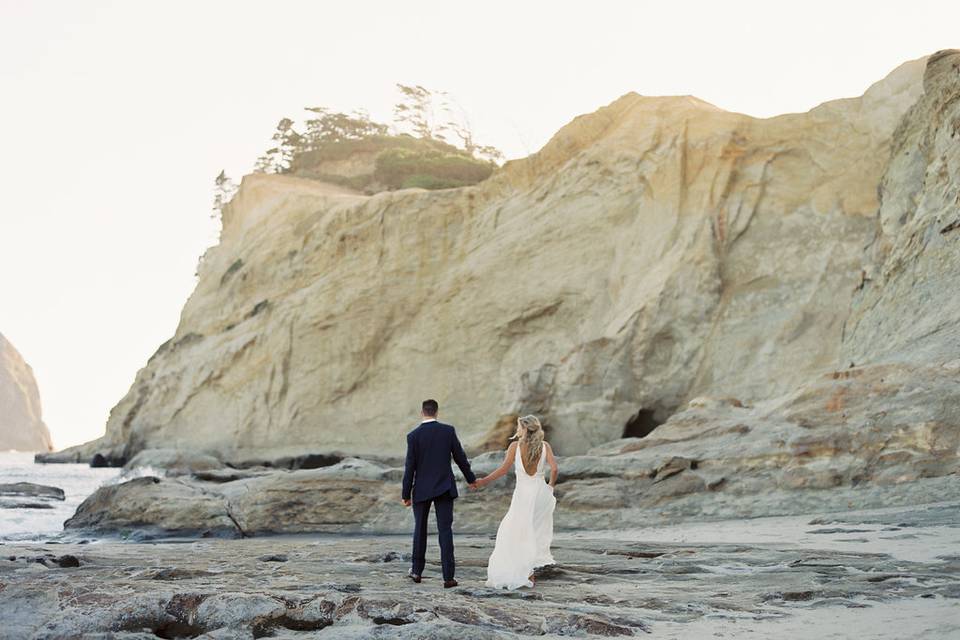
657	251
21	425
907	308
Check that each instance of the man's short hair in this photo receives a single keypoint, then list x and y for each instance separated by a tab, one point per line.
430	407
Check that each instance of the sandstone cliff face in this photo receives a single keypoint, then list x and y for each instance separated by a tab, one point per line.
652	252
21	425
908	309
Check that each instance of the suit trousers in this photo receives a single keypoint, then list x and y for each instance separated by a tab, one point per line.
443	507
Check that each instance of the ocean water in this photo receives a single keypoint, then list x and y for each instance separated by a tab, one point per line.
77	481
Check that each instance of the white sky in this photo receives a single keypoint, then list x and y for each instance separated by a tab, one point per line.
116	116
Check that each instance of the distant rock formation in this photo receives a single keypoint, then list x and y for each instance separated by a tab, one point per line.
654	252
21	425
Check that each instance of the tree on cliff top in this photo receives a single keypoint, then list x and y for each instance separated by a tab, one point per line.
436	115
223	191
418	109
287	143
419	151
328	127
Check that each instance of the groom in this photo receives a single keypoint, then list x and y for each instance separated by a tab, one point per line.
428	476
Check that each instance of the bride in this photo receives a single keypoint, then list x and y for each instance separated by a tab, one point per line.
525	533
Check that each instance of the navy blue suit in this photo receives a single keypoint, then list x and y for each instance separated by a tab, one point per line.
428	479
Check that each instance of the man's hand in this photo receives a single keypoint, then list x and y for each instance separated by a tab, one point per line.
406	502
474	486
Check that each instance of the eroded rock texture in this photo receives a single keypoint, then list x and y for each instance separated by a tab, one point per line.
653	252
908	307
891	573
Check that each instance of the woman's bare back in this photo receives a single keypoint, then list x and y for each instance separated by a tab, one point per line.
523	459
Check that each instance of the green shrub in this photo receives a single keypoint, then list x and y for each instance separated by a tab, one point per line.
343	149
401	162
424	181
399	168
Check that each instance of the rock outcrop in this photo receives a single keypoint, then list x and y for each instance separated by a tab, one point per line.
21	424
907	308
859	438
31	490
653	252
27	495
890	573
879	428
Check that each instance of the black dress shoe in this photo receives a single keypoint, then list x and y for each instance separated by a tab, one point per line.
414	577
449	583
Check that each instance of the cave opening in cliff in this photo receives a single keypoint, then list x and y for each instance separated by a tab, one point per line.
641	424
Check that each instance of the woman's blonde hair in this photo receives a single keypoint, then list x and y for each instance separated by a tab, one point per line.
530	434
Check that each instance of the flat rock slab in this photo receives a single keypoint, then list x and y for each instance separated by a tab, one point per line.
31	490
24	504
765	576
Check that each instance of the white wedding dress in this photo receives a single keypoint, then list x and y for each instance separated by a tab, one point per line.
525	533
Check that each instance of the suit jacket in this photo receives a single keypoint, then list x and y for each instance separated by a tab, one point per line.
427	473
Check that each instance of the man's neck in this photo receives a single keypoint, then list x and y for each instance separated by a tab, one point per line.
428	419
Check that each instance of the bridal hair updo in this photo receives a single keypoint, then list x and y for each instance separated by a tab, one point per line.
530	434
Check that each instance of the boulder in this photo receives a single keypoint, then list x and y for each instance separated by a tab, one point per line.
150	505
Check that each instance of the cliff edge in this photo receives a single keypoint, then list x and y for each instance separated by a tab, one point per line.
655	252
21	425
